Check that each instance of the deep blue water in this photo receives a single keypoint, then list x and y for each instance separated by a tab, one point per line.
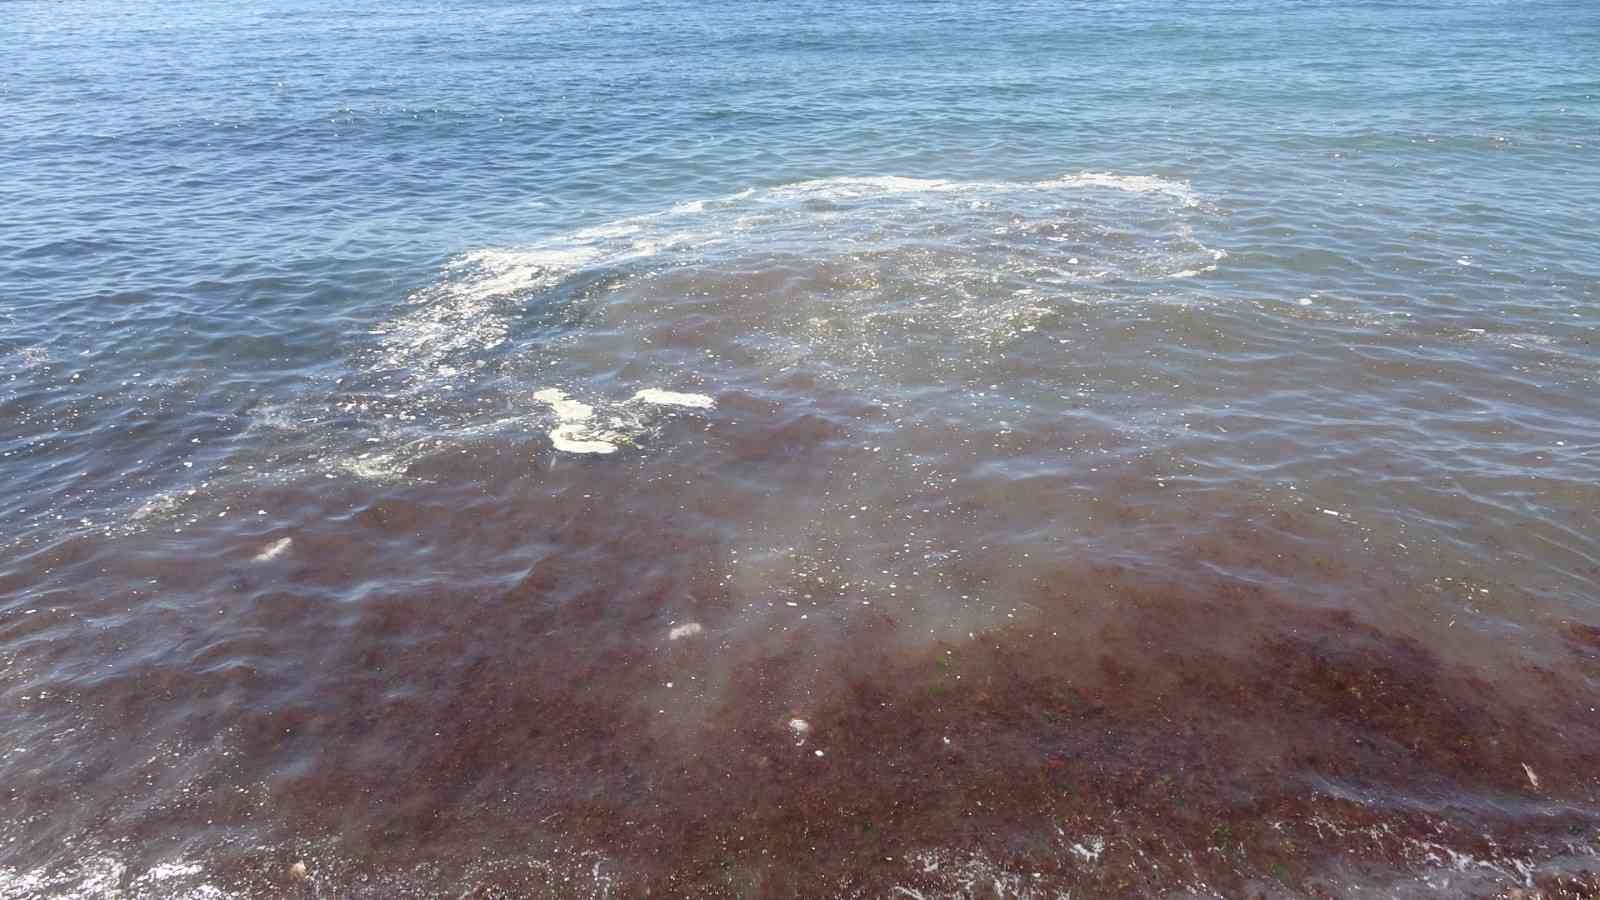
1293	301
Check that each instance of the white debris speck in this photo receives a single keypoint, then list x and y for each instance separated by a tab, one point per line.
274	550
687	629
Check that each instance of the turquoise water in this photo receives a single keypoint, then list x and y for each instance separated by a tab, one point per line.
452	447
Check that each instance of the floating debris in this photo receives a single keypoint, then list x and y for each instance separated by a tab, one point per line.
274	550
672	398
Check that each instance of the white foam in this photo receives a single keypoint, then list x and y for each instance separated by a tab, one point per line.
687	629
459	315
964	874
499	272
579	430
1089	849
577	438
853	187
566	409
375	466
1139	184
575	432
660	397
103	878
856	187
160	506
952	247
467	312
169	871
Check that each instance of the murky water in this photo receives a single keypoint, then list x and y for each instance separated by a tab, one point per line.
700	450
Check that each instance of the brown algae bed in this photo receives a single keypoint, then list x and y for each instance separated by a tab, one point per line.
1205	741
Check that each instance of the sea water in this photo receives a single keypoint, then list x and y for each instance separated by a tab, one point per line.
723	449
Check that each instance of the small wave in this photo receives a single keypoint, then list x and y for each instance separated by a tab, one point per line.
469	311
864	281
1139	184
889	185
871	283
455	316
104	877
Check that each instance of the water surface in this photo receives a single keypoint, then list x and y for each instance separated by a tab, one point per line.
893	449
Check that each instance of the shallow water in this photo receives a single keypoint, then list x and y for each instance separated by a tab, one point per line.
896	450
